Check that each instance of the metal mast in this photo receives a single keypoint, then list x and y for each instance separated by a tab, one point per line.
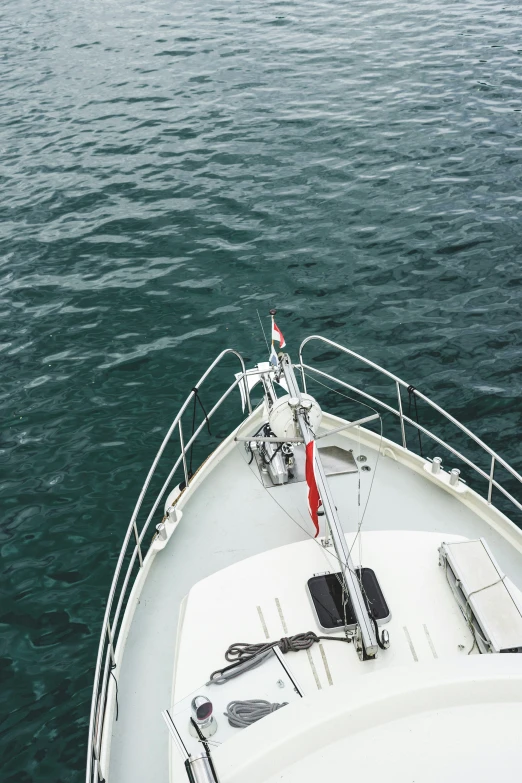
366	636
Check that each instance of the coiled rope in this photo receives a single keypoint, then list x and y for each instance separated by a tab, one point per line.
244	656
241	714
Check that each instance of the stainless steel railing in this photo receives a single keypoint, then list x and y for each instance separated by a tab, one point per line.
133	545
403	419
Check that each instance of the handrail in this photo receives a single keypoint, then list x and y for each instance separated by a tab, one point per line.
422	429
495	458
417	393
109	660
97	713
123	590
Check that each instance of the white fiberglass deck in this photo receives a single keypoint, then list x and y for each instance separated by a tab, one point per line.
456	721
228	516
242	602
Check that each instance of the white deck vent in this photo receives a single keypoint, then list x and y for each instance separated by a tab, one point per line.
486	597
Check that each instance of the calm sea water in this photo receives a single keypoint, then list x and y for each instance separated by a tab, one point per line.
167	169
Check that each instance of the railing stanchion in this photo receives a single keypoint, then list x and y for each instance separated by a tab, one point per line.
247	390
136	536
302	373
399	399
182	444
491	473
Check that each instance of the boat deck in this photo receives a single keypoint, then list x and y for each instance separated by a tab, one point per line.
238	604
237	518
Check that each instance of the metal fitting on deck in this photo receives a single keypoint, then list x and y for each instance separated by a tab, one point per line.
201	710
162	532
436	465
172	514
454	477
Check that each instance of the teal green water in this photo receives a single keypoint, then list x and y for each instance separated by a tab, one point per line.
166	169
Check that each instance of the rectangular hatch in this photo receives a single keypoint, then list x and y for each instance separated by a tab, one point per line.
486	597
326	593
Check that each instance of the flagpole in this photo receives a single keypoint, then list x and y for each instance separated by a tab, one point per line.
272	315
273	356
366	642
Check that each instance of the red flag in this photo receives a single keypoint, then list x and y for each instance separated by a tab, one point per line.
277	334
314	501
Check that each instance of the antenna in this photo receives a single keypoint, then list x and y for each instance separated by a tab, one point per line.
263	328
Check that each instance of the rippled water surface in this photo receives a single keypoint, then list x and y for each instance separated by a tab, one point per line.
168	168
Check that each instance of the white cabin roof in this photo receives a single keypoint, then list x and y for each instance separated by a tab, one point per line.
455	720
265	597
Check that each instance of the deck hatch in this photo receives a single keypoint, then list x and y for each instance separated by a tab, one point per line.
484	594
326	593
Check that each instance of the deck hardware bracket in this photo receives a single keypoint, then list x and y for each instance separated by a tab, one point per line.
171	513
436	465
454	477
202	719
162	532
